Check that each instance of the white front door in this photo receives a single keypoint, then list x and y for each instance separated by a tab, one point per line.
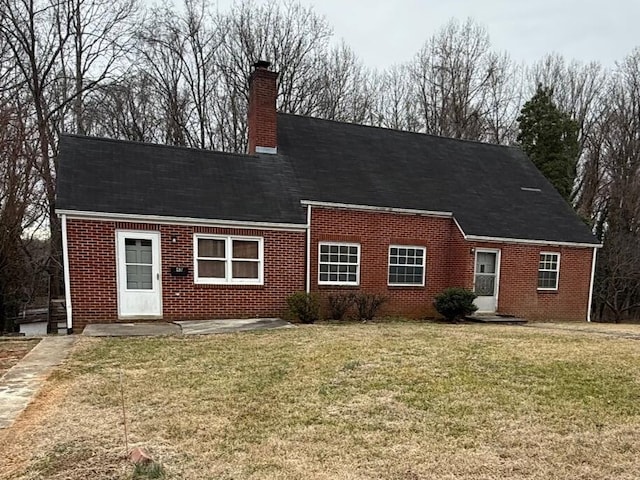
486	280
139	287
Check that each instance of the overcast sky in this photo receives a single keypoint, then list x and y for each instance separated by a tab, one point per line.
386	32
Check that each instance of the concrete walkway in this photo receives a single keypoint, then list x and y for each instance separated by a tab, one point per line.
19	386
194	327
206	327
151	329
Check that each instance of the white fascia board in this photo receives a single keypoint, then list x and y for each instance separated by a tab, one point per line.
464	235
167	220
479	238
371	208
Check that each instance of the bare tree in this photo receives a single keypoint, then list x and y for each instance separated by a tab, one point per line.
618	285
101	39
343	87
126	108
19	199
40	35
503	99
294	38
162	48
452	73
396	107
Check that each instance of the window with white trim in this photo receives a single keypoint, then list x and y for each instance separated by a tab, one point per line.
548	270
406	265
339	264
228	260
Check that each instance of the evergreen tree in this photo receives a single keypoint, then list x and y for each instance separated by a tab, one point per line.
549	137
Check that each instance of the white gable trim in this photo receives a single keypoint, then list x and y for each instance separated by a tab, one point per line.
371	208
168	220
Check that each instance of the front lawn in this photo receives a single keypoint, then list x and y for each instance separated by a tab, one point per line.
389	400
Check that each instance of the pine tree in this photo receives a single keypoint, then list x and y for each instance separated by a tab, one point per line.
549	137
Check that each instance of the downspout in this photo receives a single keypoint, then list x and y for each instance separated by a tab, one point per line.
308	262
593	274
67	277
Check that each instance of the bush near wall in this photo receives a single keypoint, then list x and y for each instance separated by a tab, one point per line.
455	303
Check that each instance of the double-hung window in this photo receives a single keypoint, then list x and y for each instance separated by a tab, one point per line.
228	259
406	265
548	270
339	264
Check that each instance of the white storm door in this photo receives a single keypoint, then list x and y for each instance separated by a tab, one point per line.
485	281
139	288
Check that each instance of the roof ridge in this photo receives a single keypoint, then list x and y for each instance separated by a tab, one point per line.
159	145
376	127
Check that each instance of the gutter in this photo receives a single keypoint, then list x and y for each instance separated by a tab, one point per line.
308	266
593	274
371	208
481	238
67	276
169	220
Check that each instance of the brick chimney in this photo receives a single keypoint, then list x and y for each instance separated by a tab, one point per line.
262	122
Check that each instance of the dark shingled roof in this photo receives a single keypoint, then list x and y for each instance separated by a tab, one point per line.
112	176
321	160
480	183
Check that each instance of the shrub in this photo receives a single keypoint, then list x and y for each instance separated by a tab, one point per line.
368	305
304	306
455	303
339	305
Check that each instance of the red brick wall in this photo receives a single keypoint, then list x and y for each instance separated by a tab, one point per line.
93	274
450	262
375	232
518	293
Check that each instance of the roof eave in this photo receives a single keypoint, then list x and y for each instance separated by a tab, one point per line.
170	220
373	208
482	238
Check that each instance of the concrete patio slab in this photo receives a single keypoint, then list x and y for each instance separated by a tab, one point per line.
206	327
21	383
150	329
192	327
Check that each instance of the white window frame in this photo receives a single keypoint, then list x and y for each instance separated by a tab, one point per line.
340	244
557	271
228	259
424	266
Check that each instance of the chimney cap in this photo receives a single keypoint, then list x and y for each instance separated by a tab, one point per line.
262	64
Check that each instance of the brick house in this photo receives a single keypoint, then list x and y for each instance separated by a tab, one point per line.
173	233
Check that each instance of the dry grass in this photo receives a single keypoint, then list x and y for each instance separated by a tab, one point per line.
391	400
11	351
